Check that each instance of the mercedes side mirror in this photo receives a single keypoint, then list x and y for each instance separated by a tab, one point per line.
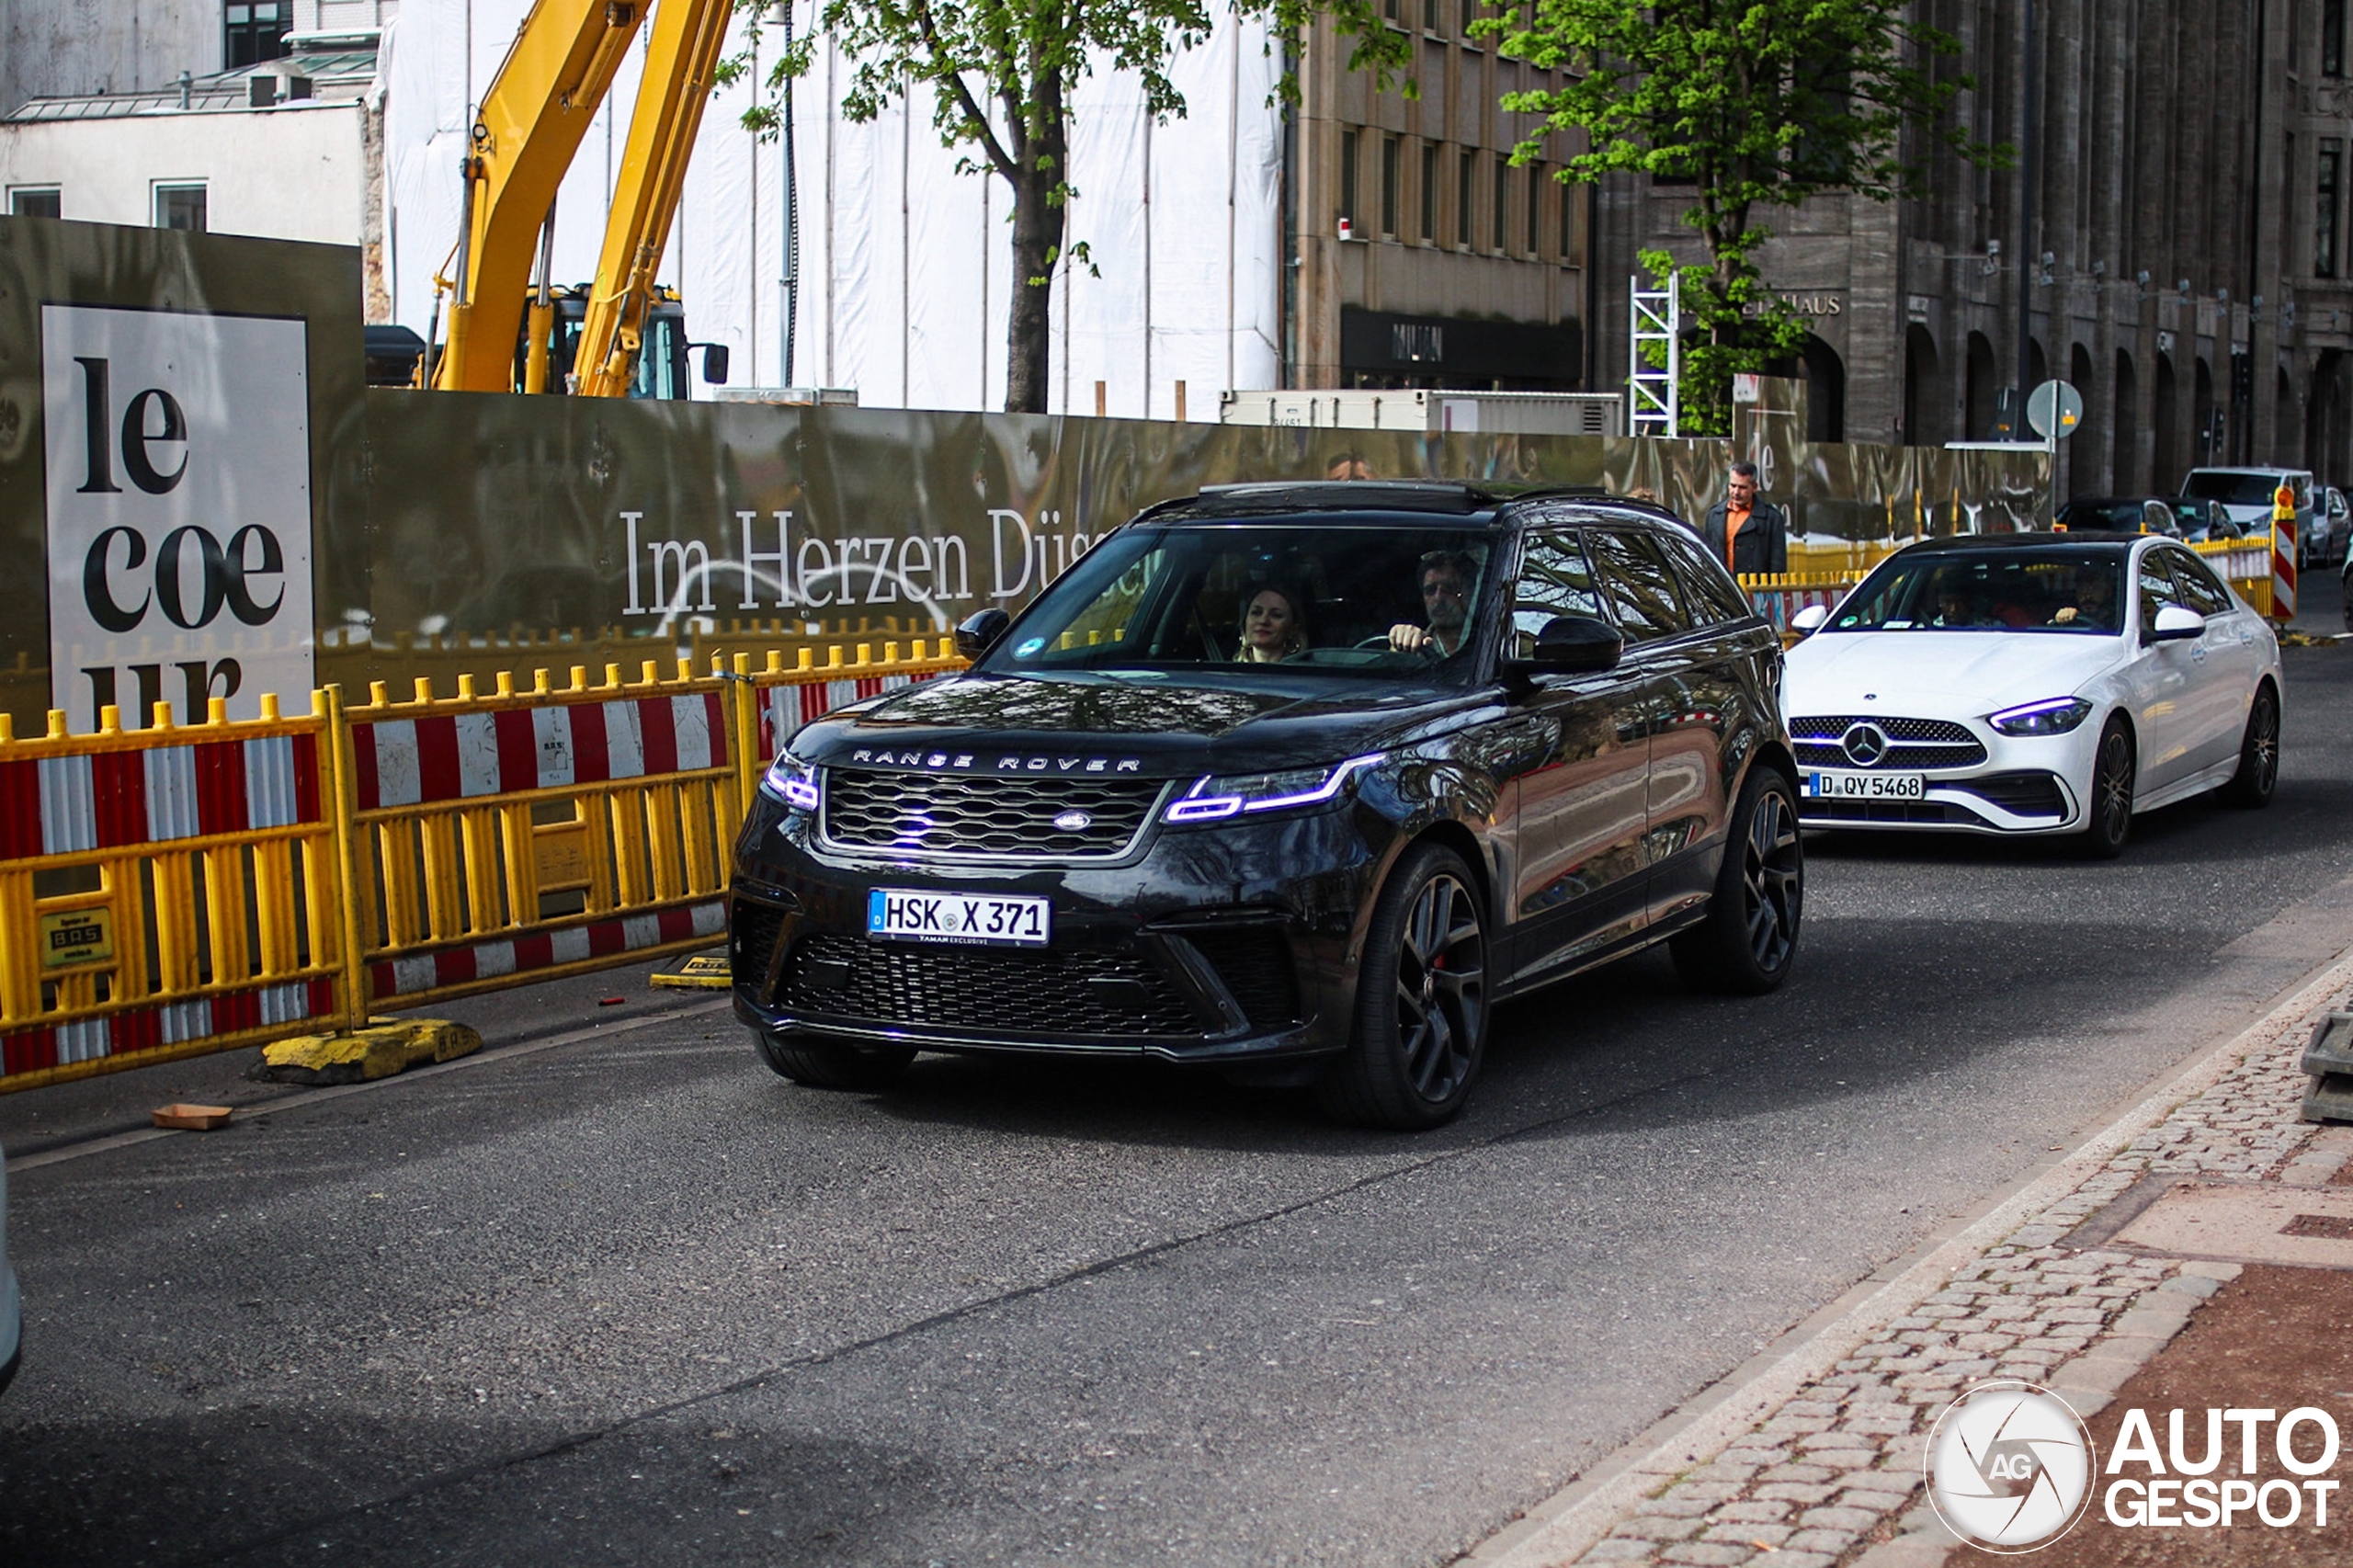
1573	645
2176	623
978	634
1809	621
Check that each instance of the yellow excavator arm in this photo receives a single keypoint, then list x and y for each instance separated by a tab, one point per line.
538	105
682	53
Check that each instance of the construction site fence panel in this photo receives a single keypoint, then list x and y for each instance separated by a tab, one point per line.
178	889
2248	564
166	891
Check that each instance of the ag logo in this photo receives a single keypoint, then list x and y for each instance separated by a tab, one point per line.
2009	1467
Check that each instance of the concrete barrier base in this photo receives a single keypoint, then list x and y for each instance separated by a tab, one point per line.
377	1051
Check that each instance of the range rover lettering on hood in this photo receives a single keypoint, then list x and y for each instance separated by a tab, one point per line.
969	761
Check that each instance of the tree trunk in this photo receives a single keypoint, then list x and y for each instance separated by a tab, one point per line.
1036	241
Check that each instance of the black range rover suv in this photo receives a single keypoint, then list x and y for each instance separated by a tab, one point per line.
1492	739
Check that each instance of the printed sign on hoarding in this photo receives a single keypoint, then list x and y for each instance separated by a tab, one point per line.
179	491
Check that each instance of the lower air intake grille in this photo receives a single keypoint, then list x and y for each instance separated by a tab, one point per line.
1255	963
752	930
984	991
2020	794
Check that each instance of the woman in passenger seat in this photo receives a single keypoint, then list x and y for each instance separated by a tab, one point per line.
1273	628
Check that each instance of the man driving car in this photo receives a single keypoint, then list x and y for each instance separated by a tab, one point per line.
1448	577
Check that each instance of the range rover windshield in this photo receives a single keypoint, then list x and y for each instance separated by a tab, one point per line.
1308	597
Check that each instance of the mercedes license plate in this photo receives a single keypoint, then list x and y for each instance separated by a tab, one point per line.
1844	786
988	920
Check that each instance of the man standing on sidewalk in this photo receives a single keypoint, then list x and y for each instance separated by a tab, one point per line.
1748	534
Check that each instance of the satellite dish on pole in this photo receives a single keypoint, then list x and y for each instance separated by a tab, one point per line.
2054	410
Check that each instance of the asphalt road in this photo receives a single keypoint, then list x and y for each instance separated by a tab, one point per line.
629	1299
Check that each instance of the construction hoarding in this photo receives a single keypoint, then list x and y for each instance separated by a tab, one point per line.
457	533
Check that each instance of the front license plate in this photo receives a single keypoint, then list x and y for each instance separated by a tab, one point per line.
988	920
1867	786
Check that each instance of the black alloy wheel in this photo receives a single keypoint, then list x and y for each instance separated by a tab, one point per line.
833	1065
1748	939
2258	771
2109	810
1421	1025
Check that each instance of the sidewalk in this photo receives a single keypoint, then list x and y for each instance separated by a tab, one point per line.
2195	1255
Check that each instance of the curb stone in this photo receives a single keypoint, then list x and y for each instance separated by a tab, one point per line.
1831	1462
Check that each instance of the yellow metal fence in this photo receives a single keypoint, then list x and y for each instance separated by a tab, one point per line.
169	891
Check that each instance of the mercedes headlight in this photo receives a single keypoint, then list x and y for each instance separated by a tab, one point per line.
1228	795
2052	716
793	781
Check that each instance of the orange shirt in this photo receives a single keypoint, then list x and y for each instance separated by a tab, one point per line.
1734	521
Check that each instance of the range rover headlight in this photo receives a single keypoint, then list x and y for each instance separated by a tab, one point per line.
793	781
2052	716
1228	795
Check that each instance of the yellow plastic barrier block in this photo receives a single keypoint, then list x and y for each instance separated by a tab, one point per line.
377	1051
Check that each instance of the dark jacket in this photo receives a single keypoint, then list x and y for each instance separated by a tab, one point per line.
1764	542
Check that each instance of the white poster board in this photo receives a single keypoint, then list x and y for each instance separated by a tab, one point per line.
178	488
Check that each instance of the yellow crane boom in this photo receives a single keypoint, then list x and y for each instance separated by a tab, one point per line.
682	55
529	125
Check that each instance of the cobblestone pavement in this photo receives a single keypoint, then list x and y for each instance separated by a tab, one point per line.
1834	1476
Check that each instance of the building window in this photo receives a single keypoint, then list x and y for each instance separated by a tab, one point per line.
2332	37
1569	229
1535	207
180	206
1348	202
253	33
2332	166
1388	9
1388	185
37	202
1503	203
1433	16
1470	15
1429	192
1465	198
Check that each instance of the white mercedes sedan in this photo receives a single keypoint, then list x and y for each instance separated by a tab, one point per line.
2032	684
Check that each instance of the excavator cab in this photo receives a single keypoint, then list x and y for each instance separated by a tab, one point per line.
661	369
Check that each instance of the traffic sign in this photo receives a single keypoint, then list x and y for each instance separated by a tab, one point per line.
2054	410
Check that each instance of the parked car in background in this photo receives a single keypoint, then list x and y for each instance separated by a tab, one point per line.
2248	495
1493	739
2202	521
2121	514
2338	513
2032	684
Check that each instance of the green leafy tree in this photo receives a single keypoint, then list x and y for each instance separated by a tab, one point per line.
1755	104
1000	74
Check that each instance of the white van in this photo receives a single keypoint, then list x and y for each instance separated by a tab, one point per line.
2246	493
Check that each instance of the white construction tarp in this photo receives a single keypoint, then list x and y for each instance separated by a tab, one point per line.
905	263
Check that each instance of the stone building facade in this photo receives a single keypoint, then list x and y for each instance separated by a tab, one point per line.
1460	269
2171	241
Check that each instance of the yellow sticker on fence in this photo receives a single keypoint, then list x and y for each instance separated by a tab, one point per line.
75	936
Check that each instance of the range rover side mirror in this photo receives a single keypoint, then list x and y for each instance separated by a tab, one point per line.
979	632
2176	623
1809	621
1574	645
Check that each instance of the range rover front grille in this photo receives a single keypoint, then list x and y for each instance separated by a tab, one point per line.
988	991
986	817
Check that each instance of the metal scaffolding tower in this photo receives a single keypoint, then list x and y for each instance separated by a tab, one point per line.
1657	325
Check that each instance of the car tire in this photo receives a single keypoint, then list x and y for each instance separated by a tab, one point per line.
2258	772
1421	1009
832	1063
1748	938
2108	812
